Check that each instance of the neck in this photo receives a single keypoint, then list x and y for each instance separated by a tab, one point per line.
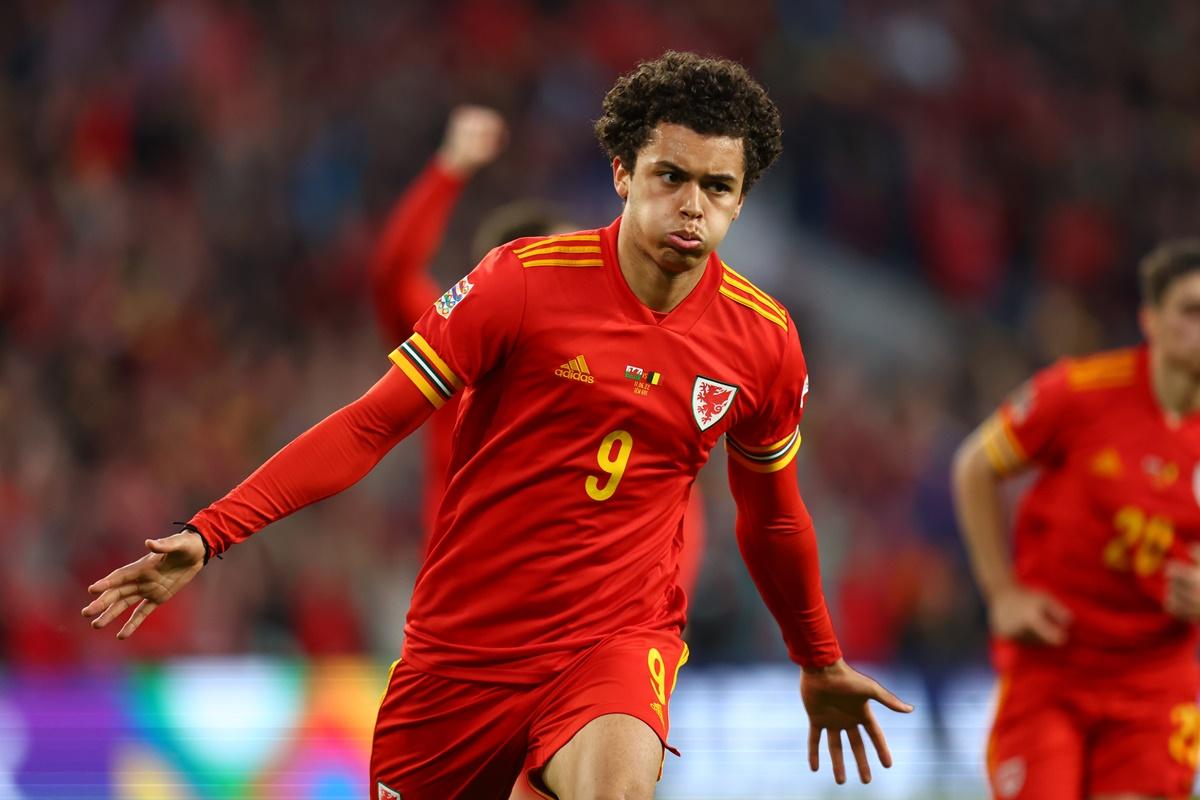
658	288
1177	390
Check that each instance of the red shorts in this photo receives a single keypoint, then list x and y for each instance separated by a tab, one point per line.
1059	735
441	739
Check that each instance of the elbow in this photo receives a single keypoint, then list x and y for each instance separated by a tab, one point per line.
971	467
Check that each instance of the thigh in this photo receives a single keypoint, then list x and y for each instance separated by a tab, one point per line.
617	753
440	739
1147	746
607	717
1036	748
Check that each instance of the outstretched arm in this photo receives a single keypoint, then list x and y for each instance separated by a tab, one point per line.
776	538
329	457
401	287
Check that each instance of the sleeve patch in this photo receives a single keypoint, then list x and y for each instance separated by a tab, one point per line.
455	295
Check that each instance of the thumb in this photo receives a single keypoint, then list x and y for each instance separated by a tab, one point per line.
168	544
886	698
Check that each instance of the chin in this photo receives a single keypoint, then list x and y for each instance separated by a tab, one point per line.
676	261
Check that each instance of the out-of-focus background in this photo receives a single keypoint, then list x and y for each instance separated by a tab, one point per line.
189	194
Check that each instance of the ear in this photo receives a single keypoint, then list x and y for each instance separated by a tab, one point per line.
621	178
1148	322
741	199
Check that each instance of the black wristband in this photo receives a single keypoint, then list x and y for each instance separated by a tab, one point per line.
187	526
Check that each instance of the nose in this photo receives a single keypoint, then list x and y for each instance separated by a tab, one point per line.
689	201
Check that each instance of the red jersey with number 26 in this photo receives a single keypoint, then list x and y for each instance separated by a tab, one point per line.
585	418
1118	495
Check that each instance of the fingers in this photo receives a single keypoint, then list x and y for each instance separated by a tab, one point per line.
115	610
834	738
814	748
1047	630
860	754
876	734
1056	611
139	615
109	597
890	700
1182	574
117	577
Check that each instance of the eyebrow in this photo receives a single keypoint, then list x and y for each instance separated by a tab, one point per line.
712	176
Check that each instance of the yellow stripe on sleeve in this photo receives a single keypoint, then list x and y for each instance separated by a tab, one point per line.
579	237
999	466
435	360
754	294
541	251
998	445
754	306
742	282
1010	438
554	262
400	360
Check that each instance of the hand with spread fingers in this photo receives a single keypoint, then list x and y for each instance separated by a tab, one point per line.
148	582
837	699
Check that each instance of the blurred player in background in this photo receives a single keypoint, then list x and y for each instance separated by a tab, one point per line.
402	288
598	371
1094	617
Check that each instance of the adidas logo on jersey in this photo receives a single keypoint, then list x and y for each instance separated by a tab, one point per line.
576	370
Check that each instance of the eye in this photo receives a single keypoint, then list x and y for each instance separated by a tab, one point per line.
720	188
672	177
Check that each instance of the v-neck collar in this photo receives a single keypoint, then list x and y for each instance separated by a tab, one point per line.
681	318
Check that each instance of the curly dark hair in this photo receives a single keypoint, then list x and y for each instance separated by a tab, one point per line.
712	96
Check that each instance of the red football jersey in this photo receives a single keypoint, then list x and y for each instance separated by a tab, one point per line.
1118	494
585	417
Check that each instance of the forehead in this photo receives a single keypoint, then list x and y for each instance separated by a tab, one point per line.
695	152
1184	289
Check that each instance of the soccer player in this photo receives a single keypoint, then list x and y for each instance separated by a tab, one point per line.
598	370
1093	616
402	288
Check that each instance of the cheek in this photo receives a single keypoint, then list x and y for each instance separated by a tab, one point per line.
722	213
1181	332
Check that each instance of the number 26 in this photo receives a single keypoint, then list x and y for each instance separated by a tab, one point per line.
612	463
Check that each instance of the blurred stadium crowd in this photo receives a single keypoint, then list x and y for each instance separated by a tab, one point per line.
189	193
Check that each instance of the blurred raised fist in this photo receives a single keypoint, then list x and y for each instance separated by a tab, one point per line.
475	135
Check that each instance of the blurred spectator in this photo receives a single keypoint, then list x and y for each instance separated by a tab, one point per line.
188	190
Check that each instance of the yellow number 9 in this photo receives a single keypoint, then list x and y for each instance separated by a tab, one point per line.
658	674
614	465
